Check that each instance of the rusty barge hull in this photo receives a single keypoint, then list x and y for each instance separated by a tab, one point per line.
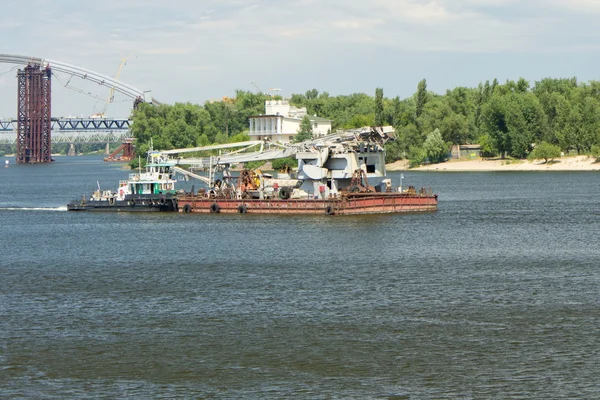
350	204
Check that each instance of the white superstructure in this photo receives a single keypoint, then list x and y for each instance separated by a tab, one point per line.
281	122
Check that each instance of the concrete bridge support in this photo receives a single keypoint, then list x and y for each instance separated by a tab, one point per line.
107	149
72	151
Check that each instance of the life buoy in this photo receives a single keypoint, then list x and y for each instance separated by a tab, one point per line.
214	208
285	193
187	208
329	210
242	209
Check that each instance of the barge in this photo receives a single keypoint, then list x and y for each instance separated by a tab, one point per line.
332	178
346	204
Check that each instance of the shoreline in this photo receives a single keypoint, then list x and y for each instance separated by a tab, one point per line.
572	163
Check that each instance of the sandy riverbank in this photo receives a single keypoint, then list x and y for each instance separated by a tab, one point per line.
575	163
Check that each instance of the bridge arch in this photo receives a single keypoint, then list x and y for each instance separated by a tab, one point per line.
82	73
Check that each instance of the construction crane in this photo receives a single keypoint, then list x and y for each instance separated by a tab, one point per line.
111	93
272	91
257	87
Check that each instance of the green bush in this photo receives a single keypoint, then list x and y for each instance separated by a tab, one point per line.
596	152
287	163
545	151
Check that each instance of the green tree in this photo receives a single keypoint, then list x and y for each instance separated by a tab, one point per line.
397	110
379	116
360	120
304	131
435	147
416	156
546	151
526	122
394	151
511	116
312	94
566	126
494	125
590	124
421	97
487	146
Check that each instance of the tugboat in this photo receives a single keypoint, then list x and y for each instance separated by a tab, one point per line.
150	190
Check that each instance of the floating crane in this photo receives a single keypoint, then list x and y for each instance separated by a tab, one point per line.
350	148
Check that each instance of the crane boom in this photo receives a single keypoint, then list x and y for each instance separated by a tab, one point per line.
339	141
111	93
256	86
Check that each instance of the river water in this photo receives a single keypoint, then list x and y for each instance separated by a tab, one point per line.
496	295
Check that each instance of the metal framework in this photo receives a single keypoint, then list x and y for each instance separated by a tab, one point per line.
34	115
126	150
76	124
82	73
99	124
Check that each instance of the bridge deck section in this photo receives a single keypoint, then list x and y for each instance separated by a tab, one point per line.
75	130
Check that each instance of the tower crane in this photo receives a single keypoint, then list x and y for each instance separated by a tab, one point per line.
272	91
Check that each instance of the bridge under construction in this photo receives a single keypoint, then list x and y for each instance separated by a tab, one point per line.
34	124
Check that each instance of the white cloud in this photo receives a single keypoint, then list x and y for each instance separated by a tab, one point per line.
578	6
188	50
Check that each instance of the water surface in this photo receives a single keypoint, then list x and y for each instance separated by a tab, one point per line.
494	295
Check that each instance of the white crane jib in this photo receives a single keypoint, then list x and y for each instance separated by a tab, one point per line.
336	143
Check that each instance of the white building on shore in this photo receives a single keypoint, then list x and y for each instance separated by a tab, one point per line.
281	122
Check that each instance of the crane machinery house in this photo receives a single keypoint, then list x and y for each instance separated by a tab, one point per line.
281	122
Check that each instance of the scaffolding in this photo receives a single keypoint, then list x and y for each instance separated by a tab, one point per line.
34	115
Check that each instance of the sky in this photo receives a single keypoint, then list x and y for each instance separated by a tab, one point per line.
201	50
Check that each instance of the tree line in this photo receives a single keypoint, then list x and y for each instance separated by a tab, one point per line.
507	120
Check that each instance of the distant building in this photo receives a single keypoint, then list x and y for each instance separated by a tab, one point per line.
281	122
465	151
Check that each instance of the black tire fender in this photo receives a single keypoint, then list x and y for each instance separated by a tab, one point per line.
329	210
285	193
242	209
187	208
215	208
